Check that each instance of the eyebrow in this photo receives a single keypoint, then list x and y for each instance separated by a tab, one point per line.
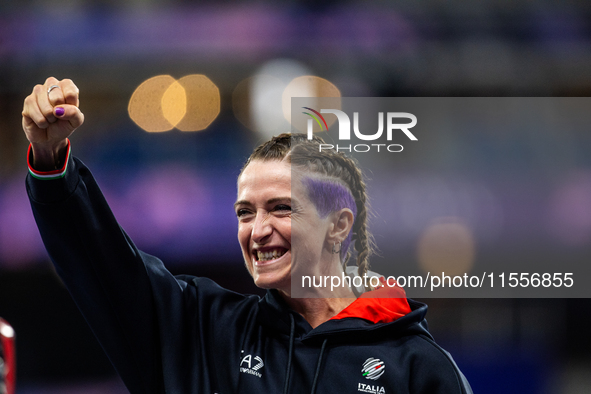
269	202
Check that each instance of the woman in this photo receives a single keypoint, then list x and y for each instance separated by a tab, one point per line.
297	210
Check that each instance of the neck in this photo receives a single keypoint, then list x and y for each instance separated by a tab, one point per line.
319	304
318	310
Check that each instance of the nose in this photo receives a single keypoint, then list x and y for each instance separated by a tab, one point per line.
262	228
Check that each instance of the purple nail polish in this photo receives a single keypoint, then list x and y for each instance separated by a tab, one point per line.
59	111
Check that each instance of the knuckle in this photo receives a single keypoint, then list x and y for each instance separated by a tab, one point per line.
42	123
50	80
57	101
67	80
37	88
47	111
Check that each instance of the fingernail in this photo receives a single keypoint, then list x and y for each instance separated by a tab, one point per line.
59	111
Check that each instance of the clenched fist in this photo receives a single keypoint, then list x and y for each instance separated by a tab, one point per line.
50	116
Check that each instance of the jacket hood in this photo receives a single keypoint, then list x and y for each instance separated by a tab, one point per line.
382	312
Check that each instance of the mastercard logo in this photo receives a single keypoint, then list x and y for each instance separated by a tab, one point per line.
163	103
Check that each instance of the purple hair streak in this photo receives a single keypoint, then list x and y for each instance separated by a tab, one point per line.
330	196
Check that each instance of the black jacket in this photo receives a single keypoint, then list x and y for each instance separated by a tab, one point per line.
184	334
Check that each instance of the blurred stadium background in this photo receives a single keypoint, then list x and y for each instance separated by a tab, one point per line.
233	61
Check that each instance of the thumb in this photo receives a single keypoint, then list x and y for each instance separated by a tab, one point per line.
71	113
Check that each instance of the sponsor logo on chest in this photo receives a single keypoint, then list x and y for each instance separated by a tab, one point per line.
372	369
252	365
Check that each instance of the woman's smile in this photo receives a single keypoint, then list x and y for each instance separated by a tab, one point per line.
268	255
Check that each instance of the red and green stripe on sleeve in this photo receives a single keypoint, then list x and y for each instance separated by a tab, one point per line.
48	175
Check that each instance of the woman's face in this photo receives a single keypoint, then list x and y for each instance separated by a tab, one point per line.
266	208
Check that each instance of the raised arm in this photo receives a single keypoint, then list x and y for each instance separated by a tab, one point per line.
162	334
110	280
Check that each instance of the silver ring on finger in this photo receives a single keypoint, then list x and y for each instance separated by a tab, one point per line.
51	88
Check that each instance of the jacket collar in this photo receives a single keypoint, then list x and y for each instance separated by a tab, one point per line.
369	314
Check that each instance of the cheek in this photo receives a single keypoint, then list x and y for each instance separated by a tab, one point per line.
244	241
243	237
284	229
309	235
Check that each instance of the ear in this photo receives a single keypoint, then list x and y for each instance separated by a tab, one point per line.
342	222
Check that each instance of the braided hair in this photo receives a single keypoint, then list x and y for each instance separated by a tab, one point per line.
337	168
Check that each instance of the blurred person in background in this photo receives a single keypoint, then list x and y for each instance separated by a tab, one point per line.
186	334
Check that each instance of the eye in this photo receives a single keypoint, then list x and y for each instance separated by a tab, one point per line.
242	212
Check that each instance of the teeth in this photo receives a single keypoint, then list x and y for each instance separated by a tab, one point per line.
269	255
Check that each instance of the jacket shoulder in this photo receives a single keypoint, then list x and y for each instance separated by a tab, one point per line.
433	369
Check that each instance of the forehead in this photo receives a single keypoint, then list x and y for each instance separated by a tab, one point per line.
268	176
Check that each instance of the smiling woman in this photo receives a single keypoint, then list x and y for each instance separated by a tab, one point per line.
264	210
298	210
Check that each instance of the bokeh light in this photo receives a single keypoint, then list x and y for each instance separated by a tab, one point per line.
257	101
202	105
253	97
262	102
145	105
569	212
310	86
447	245
174	103
161	103
241	103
